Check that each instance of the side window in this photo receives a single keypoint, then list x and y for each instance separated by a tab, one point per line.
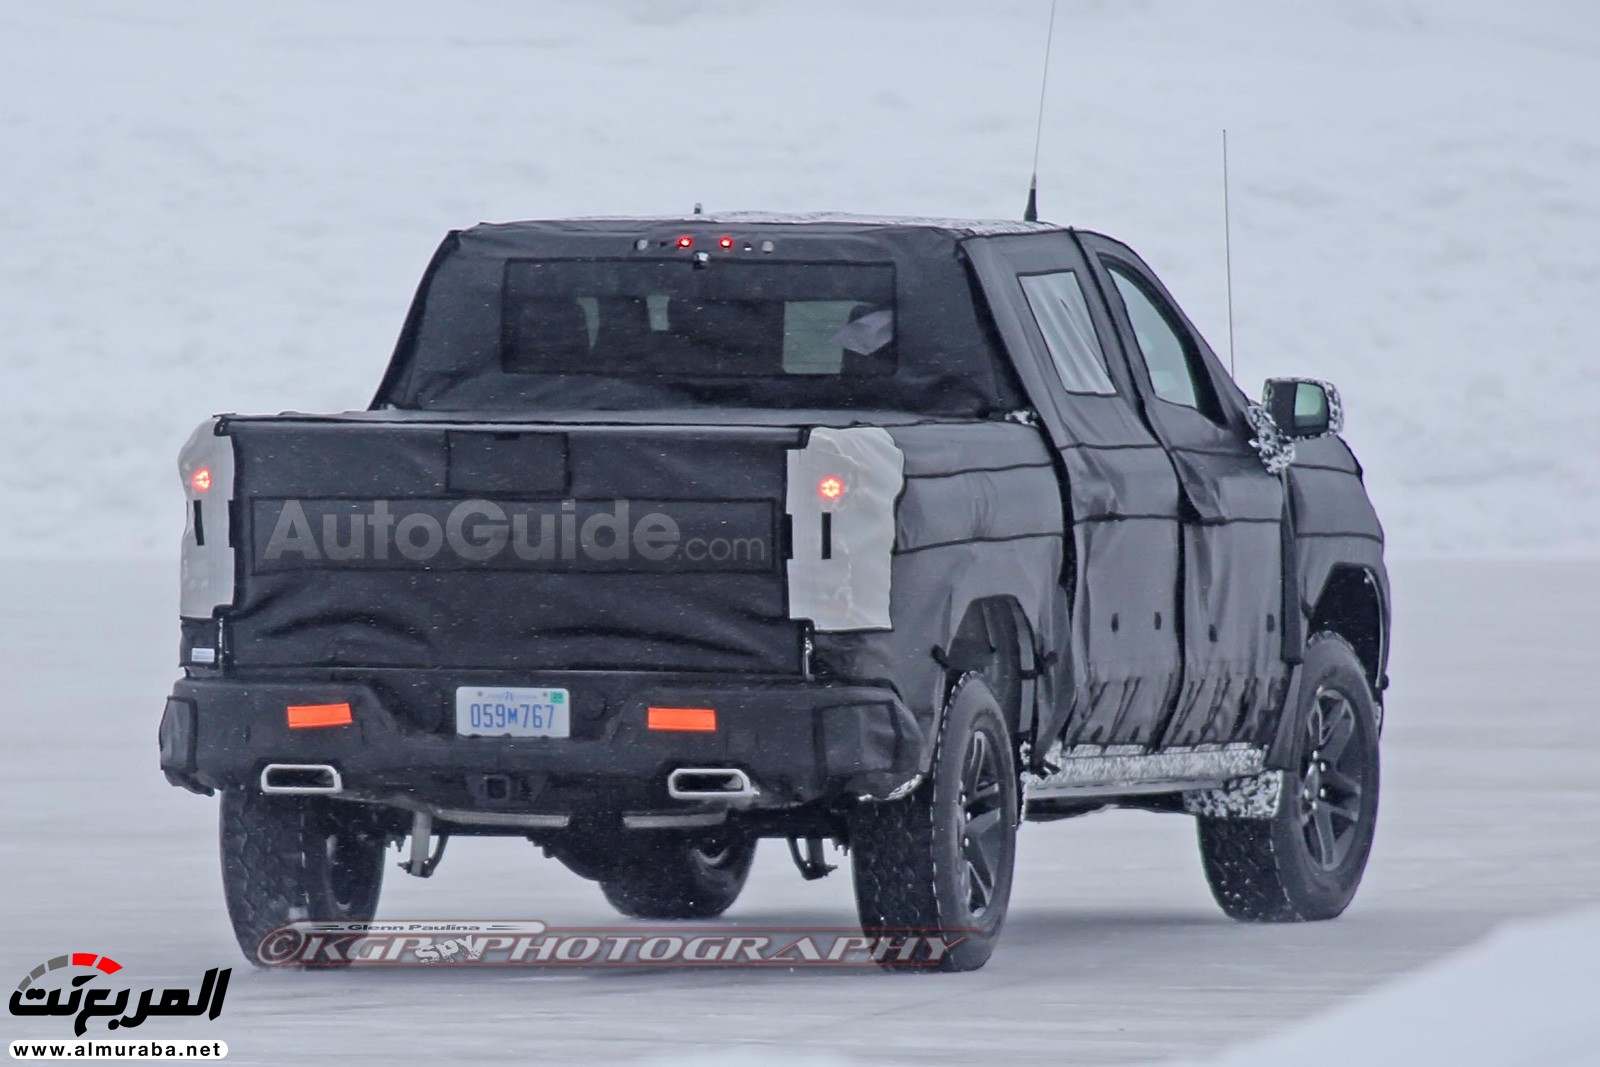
1056	300
1175	369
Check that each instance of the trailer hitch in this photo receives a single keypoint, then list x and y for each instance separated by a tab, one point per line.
811	865
423	861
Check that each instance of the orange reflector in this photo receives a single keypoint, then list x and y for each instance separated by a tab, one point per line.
698	720
304	715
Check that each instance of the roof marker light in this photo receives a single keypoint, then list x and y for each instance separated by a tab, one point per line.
686	241
725	242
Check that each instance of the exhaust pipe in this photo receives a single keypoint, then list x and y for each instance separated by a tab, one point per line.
301	778
710	783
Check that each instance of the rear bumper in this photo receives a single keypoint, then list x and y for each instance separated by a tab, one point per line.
797	742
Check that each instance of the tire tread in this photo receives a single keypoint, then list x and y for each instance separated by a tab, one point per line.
1248	877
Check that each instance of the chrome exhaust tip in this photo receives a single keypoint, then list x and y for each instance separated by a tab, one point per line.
301	778
710	783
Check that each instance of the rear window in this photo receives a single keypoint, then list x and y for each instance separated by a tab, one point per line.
677	319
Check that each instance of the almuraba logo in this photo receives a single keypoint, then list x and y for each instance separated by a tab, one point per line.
81	996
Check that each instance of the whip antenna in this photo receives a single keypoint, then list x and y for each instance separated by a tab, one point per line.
1227	247
1031	212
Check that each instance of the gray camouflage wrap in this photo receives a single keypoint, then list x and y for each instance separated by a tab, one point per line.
206	561
841	501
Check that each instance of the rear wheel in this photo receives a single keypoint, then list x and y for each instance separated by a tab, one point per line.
1306	862
668	875
939	861
286	858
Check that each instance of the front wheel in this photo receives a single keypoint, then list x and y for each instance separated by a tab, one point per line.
287	857
938	863
1306	862
668	875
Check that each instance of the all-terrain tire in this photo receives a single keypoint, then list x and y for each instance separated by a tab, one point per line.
939	862
670	875
1306	863
288	857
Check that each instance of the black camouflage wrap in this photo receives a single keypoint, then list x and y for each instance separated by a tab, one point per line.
1163	580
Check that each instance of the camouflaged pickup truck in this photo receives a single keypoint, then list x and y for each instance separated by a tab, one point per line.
662	536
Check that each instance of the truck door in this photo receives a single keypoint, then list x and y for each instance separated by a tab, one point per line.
1121	495
1231	563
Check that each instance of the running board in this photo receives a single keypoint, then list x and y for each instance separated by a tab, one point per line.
1113	770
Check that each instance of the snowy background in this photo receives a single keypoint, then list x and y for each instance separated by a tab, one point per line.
211	207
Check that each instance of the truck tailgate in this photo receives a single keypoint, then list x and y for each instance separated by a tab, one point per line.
362	543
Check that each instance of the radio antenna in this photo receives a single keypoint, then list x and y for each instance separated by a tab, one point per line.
1227	247
1031	212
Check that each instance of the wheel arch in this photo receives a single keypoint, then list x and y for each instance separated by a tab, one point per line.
992	626
1351	604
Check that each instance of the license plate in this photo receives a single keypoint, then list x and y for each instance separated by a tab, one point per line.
503	712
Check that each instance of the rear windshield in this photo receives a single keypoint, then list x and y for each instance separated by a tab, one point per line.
678	319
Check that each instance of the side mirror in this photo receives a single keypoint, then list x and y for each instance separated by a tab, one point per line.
1303	408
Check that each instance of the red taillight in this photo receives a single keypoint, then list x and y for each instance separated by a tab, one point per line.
830	488
725	242
686	241
691	720
201	479
304	716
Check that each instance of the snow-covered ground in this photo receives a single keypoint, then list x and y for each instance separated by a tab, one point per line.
1114	952
215	207
1525	995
